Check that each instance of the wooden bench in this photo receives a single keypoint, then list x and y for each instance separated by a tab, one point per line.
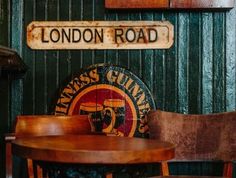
197	137
42	125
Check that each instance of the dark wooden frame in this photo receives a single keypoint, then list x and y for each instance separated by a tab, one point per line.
133	4
202	4
169	4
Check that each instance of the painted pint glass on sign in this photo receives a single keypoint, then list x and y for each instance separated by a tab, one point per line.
94	110
114	115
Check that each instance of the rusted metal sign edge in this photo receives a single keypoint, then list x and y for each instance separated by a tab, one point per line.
100	35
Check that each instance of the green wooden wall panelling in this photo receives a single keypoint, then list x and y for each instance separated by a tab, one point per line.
219	62
207	55
3	22
4	84
182	56
29	58
194	61
53	64
230	63
196	75
197	57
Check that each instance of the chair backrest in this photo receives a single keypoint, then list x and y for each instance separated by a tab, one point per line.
197	137
40	125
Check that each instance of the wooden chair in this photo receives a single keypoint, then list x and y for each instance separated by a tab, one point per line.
197	137
42	125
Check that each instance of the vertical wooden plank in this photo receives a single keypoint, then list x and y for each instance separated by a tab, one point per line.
76	11
64	57
98	14
16	99
147	68
123	55
219	62
183	55
171	66
111	55
147	59
88	55
16	43
51	10
135	61
4	22
234	167
16	88
194	62
29	59
207	63
17	25
159	71
230	41
40	64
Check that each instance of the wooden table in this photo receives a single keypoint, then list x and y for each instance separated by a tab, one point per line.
93	149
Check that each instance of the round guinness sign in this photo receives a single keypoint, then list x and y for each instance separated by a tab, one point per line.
116	100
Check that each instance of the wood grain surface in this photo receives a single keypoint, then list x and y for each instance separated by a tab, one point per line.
93	149
41	125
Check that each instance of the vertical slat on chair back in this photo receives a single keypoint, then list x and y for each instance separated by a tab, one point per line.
39	125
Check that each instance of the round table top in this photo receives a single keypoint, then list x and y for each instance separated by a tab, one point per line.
93	149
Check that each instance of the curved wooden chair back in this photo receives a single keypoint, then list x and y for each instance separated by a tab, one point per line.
43	125
197	137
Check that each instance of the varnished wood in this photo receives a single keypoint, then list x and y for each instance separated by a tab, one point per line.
8	159
131	4
205	4
228	169
109	175
30	168
93	149
39	125
164	169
